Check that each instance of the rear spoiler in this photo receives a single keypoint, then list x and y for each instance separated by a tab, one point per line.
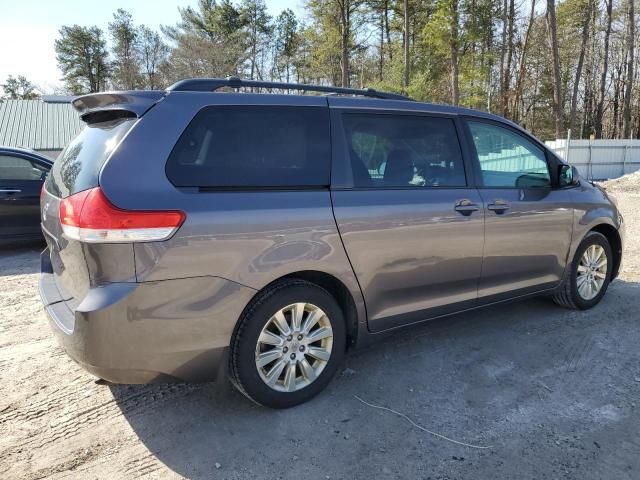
109	105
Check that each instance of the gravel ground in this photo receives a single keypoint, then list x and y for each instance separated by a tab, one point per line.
553	394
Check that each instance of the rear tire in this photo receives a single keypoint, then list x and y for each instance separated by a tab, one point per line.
288	344
587	280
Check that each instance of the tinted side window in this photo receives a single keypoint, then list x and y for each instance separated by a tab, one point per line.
389	151
20	169
508	159
253	146
78	166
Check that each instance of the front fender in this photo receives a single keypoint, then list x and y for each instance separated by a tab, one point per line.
592	208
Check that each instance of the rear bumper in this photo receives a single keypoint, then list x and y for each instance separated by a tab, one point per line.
170	330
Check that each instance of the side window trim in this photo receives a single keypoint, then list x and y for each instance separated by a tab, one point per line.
341	172
475	159
468	152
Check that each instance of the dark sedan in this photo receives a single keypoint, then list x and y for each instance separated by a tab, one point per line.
22	173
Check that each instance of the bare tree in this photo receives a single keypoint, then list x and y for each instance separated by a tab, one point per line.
617	92
557	80
503	44
345	8
387	29
605	69
406	43
508	55
631	33
522	64
453	42
576	81
153	52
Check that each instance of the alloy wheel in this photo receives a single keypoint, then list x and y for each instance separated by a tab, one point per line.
592	272
294	347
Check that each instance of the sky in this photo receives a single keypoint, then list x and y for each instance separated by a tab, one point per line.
28	29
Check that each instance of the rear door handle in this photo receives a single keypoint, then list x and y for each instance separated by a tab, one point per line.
498	206
466	207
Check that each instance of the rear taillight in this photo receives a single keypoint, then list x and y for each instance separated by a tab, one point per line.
88	216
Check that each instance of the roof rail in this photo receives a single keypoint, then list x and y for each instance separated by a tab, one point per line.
213	84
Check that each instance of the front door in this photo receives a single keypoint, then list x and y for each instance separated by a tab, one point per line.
528	223
411	227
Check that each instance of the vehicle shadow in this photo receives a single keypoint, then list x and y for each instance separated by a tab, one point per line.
20	258
516	377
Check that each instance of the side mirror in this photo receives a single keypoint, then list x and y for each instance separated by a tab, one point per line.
567	175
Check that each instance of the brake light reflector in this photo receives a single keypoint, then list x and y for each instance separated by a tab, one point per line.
89	216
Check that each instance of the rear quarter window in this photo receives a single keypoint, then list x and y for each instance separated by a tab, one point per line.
78	166
253	146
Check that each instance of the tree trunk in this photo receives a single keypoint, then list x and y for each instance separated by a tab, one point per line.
576	83
254	43
522	65
557	80
488	47
405	80
590	80
506	78
617	80
605	68
455	89
503	47
387	29
626	109
344	40
381	59
253	60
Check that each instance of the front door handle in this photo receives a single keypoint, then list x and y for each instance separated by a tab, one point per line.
466	207
498	206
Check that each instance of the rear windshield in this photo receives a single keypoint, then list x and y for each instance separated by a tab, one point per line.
78	166
253	146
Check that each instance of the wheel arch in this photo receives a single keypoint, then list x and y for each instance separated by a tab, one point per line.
613	237
340	292
352	307
336	288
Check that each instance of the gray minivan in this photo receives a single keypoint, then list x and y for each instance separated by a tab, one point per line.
193	231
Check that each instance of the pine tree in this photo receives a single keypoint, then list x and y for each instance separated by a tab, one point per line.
82	57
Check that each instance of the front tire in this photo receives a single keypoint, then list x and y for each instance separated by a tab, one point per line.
589	275
288	344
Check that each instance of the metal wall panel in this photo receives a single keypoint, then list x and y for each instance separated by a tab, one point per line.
600	159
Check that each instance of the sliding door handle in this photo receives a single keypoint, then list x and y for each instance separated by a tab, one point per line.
498	206
466	207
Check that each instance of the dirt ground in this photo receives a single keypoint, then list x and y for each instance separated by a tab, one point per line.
553	394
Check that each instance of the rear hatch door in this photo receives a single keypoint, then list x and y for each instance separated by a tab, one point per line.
78	266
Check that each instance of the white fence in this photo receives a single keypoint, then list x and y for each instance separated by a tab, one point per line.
600	159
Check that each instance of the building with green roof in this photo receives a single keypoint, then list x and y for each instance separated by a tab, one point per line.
45	125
